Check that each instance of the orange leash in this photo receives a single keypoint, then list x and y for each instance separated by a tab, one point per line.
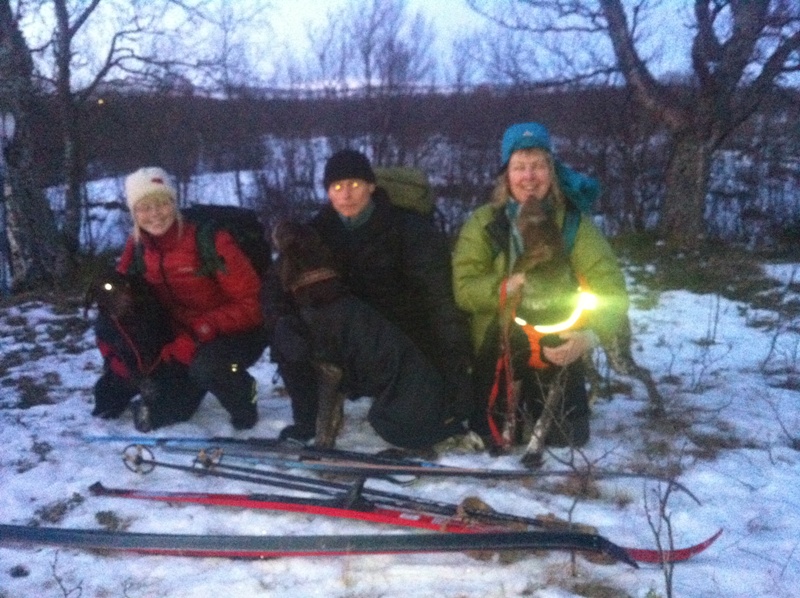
143	370
503	370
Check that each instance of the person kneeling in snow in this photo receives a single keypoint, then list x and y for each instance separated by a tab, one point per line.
486	273
217	326
395	261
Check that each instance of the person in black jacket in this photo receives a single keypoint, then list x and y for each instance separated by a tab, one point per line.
398	262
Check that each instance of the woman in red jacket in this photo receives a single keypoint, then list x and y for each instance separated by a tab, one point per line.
217	321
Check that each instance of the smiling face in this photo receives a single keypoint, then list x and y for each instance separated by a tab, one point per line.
530	175
349	197
154	214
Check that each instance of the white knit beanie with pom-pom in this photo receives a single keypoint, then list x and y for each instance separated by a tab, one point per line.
148	181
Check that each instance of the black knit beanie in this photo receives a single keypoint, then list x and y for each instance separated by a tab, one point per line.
347	164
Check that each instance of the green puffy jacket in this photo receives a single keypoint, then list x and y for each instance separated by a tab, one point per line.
480	263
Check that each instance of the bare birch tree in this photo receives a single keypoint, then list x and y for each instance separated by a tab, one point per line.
93	45
36	255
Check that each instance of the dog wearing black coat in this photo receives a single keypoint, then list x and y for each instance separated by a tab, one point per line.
356	351
131	328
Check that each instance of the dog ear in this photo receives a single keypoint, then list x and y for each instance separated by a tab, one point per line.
284	233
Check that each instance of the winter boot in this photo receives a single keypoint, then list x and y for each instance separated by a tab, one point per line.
247	417
573	430
297	433
142	420
112	394
237	393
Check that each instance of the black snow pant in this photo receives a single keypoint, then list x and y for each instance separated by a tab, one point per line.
176	390
170	394
220	367
378	360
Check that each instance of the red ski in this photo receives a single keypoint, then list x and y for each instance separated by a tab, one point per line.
362	509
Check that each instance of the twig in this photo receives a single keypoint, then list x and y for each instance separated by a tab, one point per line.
67	592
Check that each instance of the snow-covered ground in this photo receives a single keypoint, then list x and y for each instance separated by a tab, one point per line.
731	433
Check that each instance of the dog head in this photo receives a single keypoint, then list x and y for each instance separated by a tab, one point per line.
550	290
303	258
541	237
114	293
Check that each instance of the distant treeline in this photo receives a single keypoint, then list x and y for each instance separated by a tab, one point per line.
597	129
123	131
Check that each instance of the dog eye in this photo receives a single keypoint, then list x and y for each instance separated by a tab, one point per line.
108	287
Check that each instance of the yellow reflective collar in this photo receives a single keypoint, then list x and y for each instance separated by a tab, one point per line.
586	301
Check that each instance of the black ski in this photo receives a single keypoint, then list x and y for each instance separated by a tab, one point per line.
257	547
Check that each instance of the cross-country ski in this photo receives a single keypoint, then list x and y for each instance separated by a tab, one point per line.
415	515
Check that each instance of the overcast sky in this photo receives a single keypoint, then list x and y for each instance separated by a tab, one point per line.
453	18
276	37
448	16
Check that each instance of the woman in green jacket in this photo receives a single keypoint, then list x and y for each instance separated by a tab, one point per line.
483	263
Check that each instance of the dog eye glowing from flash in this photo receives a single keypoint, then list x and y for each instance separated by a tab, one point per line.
108	287
586	301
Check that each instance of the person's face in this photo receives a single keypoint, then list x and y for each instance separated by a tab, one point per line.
529	175
154	214
349	197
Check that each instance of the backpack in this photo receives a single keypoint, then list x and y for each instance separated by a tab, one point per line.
582	192
407	187
242	224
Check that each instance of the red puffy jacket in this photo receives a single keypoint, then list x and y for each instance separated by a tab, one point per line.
201	306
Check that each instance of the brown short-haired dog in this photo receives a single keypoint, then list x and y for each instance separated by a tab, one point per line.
549	295
546	297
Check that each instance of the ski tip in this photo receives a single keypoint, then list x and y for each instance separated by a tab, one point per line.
674	555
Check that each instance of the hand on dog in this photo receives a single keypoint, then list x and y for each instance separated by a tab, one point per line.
576	343
203	331
182	350
514	283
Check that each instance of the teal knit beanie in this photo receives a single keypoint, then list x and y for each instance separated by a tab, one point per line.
580	189
524	136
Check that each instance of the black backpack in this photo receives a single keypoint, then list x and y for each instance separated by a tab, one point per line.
242	224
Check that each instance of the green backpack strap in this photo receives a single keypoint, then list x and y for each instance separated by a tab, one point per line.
572	220
136	267
241	223
210	261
